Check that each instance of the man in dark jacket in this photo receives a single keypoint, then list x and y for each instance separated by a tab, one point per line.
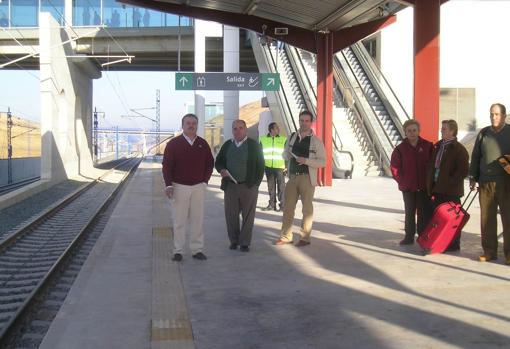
446	170
408	164
492	142
241	164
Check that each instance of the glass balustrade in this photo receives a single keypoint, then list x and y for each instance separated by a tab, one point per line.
85	13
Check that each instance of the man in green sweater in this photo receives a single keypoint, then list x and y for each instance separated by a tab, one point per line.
494	183
241	165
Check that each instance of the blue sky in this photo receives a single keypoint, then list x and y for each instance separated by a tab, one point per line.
115	93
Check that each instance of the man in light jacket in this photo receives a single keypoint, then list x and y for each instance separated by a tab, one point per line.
305	153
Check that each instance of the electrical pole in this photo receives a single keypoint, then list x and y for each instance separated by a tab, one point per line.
94	139
9	146
95	133
158	121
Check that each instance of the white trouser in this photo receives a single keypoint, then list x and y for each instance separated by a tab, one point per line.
188	203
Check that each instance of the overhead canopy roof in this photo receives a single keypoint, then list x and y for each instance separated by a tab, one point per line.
303	18
313	15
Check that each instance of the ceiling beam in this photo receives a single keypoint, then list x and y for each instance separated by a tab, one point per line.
405	2
412	2
338	13
346	37
252	6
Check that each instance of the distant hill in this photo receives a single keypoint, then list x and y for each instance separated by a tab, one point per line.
249	113
26	137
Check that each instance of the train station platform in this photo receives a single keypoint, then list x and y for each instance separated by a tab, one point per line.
353	287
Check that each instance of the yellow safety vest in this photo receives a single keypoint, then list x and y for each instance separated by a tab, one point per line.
273	151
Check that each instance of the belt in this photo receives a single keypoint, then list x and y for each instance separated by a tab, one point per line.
299	174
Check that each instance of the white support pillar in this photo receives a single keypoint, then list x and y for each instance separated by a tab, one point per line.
68	12
200	33
230	65
66	105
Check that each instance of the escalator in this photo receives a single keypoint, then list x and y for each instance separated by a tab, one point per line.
296	94
371	103
365	104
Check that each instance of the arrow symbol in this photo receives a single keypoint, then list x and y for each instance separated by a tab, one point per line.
271	81
183	81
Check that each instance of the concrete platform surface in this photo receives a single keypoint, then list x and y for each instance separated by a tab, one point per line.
353	287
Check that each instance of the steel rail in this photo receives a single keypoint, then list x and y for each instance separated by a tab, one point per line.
18	317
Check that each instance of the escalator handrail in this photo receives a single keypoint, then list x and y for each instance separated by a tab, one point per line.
281	95
372	115
383	88
372	138
297	63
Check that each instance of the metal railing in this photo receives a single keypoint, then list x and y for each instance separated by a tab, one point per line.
382	87
310	94
282	99
374	131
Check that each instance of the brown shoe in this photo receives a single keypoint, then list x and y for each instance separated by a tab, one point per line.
507	262
487	258
302	243
280	242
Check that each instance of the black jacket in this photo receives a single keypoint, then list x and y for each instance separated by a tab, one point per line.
255	166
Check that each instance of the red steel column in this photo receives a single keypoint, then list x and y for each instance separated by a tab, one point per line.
324	122
426	66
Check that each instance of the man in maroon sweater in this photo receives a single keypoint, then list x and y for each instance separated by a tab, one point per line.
187	167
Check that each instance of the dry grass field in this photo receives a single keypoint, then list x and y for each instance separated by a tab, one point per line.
249	113
26	141
26	138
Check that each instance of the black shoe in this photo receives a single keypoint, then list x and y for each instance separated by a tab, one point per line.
406	241
177	257
245	248
452	249
268	208
200	256
233	246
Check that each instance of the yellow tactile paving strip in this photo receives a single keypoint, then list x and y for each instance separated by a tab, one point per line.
170	326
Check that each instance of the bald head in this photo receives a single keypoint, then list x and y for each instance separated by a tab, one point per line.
239	130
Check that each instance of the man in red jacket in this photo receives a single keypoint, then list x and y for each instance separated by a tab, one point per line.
408	167
187	167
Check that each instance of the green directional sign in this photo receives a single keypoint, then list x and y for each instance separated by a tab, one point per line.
270	82
227	81
184	81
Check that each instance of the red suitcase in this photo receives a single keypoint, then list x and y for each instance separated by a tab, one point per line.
447	222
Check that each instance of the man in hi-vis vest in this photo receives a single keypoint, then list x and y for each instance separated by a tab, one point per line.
273	145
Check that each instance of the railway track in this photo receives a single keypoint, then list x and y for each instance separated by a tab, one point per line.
13	186
30	257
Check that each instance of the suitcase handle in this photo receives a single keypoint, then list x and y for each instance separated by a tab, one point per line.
470	202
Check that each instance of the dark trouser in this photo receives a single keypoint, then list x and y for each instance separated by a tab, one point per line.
275	178
414	206
492	195
240	199
441	199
